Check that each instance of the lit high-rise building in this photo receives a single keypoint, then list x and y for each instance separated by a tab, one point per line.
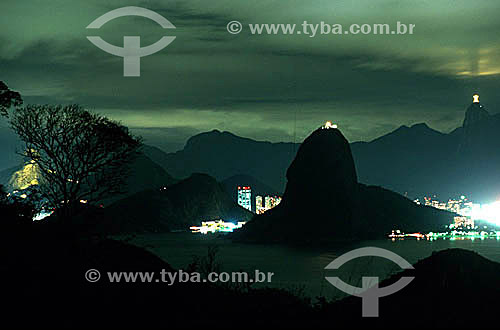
266	203
259	206
464	222
269	202
245	197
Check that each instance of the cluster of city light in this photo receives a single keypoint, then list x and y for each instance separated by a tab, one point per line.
216	226
467	223
456	234
453	205
399	234
43	214
464	234
487	212
262	204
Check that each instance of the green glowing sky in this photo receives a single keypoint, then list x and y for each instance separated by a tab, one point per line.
256	86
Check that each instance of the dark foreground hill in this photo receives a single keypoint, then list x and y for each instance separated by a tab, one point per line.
174	207
452	289
43	284
323	201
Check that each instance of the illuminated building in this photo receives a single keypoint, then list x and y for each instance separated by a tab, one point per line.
216	226
475	98
269	202
272	201
259	206
266	203
461	206
245	197
463	222
329	125
277	200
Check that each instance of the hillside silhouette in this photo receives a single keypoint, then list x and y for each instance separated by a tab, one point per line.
173	207
445	283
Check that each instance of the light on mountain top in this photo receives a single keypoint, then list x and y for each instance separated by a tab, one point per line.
475	98
329	125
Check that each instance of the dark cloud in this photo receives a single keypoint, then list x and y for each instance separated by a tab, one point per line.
276	88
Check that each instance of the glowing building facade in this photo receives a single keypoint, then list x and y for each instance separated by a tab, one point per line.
269	203
259	206
464	222
245	197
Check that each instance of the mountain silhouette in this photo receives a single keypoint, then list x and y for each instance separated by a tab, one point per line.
417	160
323	201
174	207
223	155
478	153
474	114
410	160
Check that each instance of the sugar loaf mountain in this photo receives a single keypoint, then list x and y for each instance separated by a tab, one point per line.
323	200
417	160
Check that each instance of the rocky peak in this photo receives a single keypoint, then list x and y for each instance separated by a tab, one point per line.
324	151
321	183
475	113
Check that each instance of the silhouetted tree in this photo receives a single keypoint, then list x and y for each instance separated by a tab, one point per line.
8	99
15	211
80	155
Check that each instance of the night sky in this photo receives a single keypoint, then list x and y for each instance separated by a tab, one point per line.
256	86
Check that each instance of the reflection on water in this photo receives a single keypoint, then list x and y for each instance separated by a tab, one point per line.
303	269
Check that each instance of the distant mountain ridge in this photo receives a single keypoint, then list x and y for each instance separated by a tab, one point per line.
414	161
223	155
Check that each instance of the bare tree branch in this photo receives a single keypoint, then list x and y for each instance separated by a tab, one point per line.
79	154
8	99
